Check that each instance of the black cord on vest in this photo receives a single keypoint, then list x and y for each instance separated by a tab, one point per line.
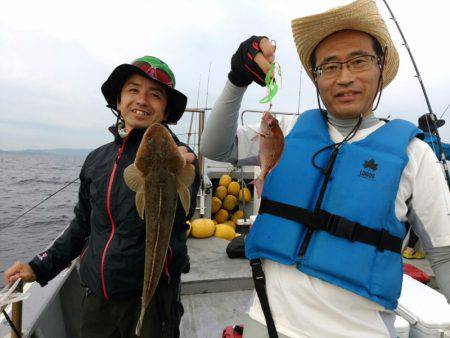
381	63
327	172
336	146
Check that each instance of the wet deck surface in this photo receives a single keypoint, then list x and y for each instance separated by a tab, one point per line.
217	290
210	266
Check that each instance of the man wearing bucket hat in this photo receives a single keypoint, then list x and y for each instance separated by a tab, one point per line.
429	124
331	222
107	232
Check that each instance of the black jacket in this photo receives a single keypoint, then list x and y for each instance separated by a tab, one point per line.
107	232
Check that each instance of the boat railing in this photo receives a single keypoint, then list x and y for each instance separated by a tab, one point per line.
274	113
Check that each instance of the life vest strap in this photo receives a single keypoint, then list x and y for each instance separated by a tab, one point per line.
333	224
260	286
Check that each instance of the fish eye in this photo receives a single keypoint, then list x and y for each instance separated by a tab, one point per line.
150	141
164	141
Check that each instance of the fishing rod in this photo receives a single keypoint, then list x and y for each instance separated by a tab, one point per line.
431	117
35	206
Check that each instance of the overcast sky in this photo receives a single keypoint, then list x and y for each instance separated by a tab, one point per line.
54	56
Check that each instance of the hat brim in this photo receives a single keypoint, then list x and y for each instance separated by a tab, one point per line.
425	127
176	101
361	15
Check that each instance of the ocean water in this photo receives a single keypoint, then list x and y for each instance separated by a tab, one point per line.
25	180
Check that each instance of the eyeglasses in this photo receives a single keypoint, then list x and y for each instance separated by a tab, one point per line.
355	65
155	73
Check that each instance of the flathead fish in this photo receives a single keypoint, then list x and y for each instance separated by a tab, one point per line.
158	176
271	146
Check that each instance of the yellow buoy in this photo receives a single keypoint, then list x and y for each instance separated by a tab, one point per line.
221	192
224	231
222	216
233	188
188	231
202	228
231	224
225	180
247	195
216	204
237	215
230	202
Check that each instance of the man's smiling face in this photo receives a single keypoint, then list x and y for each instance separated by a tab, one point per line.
348	94
142	102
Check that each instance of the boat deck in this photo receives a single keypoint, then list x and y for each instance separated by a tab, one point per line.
217	290
215	293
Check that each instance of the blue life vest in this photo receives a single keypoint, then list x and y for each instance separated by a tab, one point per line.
363	188
431	140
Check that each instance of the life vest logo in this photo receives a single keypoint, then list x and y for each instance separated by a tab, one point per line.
42	255
368	170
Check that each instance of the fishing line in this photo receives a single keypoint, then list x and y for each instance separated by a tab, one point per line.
419	78
445	110
432	138
26	212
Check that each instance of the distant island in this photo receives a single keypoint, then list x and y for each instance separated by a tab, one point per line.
60	151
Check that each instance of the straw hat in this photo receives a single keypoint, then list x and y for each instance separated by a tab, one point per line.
361	15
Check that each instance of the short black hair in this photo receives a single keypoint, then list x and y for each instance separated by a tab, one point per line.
375	44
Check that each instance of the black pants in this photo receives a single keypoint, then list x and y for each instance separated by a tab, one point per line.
118	318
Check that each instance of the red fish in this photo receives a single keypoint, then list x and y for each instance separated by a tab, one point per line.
271	146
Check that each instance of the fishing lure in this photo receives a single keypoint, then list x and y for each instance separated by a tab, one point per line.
271	84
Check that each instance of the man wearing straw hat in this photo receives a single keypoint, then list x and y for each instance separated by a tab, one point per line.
331	222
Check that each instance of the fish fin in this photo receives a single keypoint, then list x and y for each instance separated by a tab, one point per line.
185	197
187	175
259	183
139	323
140	202
133	178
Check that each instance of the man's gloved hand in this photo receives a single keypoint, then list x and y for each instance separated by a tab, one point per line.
251	61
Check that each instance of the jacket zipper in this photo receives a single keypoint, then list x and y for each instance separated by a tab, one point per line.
83	253
168	260
108	208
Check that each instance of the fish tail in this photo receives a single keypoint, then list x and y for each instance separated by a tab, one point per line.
139	324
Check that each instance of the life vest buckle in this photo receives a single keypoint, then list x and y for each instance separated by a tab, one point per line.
342	227
258	273
331	223
383	240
